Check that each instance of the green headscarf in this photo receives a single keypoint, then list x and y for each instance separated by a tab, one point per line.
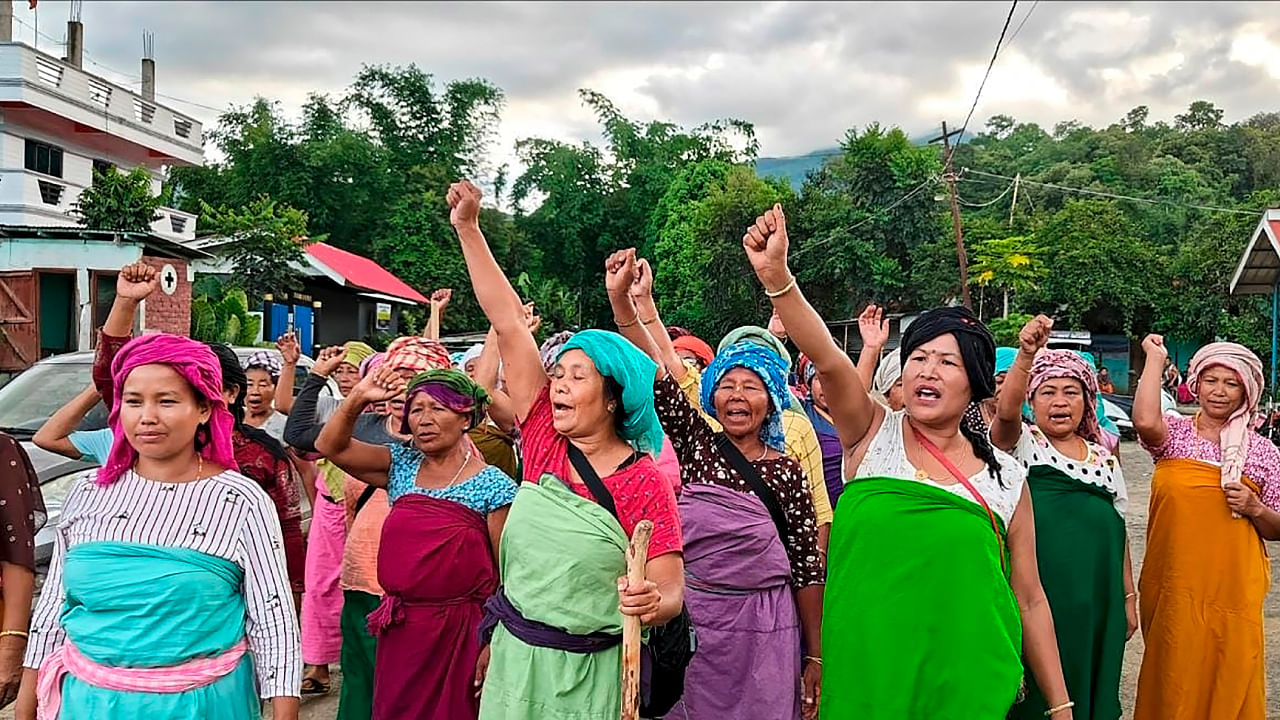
615	357
357	352
451	388
757	336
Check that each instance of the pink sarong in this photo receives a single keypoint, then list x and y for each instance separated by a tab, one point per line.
322	602
173	679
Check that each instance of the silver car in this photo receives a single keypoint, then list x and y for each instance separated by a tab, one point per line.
30	398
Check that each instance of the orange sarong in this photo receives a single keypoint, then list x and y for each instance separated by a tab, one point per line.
1203	583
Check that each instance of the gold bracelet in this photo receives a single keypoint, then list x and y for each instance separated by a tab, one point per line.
650	321
786	289
1130	595
16	633
634	321
1055	710
813	659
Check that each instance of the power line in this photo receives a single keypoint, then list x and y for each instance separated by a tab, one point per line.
1116	196
993	201
1024	22
995	54
874	214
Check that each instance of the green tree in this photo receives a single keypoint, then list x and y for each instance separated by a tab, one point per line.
118	201
220	314
1009	264
266	245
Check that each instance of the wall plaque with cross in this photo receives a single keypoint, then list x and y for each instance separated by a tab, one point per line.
168	279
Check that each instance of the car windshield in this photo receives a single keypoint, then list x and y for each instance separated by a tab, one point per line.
28	400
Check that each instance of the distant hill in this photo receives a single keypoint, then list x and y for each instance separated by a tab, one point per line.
794	168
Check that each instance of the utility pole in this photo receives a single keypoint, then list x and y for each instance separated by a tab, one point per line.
950	176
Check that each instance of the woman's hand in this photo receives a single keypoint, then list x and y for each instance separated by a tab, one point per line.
12	648
25	708
329	360
464	204
643	600
1131	615
873	327
379	386
642	285
531	318
1034	335
482	669
1243	501
620	272
766	244
1153	346
811	688
289	349
137	281
440	298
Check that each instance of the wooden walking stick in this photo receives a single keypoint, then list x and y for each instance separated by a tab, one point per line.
637	556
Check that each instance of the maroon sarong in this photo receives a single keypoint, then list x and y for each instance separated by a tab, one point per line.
436	567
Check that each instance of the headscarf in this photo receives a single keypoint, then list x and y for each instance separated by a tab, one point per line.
372	363
1053	364
264	360
1107	424
472	353
356	353
806	370
772	372
759	336
196	363
1234	437
675	331
1004	359
616	358
889	373
233	375
552	347
452	389
456	359
694	345
977	346
416	353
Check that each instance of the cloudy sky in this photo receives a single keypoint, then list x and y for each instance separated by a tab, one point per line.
802	73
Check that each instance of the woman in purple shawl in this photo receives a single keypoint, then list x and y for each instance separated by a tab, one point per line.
753	574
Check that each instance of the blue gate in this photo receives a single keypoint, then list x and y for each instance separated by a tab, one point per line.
303	326
278	323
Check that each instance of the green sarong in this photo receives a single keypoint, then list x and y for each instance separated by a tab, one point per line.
1080	540
919	620
359	648
560	560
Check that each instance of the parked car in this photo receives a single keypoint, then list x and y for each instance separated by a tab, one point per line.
1119	409
30	398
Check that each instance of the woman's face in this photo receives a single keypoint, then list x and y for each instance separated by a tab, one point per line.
579	407
347	375
395	406
1000	382
260	393
742	402
435	428
895	397
160	412
1058	405
470	368
815	390
935	386
1221	393
690	359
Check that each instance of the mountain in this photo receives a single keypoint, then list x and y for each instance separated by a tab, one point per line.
794	168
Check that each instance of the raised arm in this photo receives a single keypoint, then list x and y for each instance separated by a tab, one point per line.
439	301
134	284
370	463
1148	416
55	435
486	376
851	407
290	353
622	279
651	321
301	429
1007	426
874	330
501	305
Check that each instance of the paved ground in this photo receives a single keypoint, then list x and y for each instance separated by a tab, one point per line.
1138	472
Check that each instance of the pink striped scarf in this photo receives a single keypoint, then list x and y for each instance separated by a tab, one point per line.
189	675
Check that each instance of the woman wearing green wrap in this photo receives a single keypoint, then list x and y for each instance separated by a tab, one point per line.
1079	494
555	652
933	592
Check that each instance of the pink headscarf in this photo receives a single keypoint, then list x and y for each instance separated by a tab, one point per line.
372	363
1234	437
1052	364
195	362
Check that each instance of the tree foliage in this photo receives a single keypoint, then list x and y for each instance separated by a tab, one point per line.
265	245
220	314
118	201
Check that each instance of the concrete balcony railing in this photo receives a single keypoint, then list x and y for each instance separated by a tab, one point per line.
41	80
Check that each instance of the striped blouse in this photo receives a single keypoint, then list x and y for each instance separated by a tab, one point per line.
228	516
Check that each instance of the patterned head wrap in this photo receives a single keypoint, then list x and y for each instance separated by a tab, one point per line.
416	353
195	362
452	389
552	347
1053	364
1234	437
977	346
758	336
267	361
357	352
806	369
699	348
889	373
769	367
616	358
372	363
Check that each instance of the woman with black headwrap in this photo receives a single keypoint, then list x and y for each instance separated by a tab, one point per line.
933	591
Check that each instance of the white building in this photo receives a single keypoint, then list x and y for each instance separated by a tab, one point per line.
57	123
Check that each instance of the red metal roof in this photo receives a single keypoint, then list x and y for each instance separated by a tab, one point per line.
363	273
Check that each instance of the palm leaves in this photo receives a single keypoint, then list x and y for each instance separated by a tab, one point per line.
221	314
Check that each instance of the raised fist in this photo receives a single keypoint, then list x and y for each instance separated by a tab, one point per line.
464	204
766	244
620	272
1035	334
137	281
440	298
642	286
1153	346
289	349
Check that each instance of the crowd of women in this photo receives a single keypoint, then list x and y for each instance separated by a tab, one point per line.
936	532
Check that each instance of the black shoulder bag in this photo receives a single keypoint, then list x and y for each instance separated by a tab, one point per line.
671	646
754	481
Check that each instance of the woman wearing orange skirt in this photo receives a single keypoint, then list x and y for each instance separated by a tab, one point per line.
1214	500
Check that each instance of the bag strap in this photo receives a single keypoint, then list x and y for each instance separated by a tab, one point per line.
364	499
592	480
762	491
960	477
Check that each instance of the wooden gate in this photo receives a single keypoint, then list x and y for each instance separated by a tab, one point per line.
19	329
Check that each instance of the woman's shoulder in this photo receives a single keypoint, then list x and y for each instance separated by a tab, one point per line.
1261	449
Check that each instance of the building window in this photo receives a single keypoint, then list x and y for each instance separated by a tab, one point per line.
178	224
44	158
50	192
102	167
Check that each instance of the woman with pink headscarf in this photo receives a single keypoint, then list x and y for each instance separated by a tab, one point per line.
167	595
1079	499
1215	497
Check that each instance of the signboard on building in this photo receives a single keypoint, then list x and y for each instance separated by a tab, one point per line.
384	316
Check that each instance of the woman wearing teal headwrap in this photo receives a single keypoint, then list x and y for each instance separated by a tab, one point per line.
562	559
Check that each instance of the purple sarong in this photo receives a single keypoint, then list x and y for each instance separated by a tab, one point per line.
738	593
